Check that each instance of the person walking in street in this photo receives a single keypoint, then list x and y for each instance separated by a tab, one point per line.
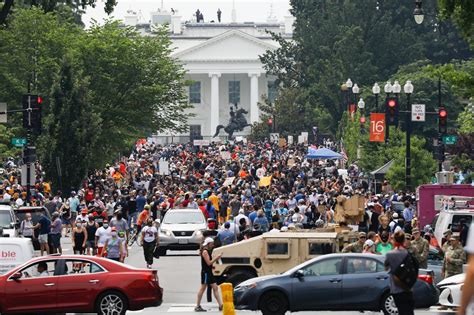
150	241
91	228
207	278
44	224
55	233
454	258
143	217
384	246
26	227
113	247
402	294
420	248
101	235
79	238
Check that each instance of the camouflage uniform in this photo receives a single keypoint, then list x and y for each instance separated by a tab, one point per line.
420	249
355	247
457	257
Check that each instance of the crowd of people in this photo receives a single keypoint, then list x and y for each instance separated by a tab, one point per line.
243	187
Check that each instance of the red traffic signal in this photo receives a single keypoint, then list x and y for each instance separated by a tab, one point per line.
40	100
362	120
392	103
270	121
443	121
391	111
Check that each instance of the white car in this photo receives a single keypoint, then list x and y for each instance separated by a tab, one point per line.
8	222
451	290
182	229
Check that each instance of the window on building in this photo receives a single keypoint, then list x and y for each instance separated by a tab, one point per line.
234	92
195	93
272	91
195	132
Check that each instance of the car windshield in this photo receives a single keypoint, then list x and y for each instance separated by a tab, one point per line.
183	218
5	219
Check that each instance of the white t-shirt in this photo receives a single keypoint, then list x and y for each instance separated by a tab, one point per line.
103	234
149	233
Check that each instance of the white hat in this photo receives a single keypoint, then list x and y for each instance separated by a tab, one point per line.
395	215
207	241
369	243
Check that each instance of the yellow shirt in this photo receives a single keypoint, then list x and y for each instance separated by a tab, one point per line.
215	201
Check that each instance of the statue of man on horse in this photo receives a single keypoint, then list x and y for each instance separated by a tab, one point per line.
237	122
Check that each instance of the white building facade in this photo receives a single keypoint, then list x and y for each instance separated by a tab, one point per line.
222	62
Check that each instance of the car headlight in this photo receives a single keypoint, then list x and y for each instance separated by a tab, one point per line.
166	232
244	287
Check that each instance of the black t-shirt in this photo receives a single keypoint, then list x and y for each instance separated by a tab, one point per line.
204	266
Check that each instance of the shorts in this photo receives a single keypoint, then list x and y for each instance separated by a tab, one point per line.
43	238
56	240
66	221
90	244
207	278
100	249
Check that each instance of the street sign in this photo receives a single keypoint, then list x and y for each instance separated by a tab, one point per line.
418	112
24	174
3	109
18	142
450	139
377	127
201	143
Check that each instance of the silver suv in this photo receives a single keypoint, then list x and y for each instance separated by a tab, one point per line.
8	221
181	229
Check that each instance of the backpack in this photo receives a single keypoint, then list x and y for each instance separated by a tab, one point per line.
407	271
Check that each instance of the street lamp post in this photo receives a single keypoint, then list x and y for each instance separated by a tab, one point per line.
345	91
387	89
355	91
361	105
349	85
376	92
408	89
418	12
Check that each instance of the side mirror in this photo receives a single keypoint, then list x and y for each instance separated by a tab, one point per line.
299	274
16	276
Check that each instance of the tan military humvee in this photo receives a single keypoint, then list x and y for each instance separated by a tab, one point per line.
273	253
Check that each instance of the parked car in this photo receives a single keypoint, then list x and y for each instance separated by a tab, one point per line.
181	229
9	224
451	289
330	282
35	216
78	284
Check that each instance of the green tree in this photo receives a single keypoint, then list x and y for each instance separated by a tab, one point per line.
466	121
421	172
462	12
6	148
71	130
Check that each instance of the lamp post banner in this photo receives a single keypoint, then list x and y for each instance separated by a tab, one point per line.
377	127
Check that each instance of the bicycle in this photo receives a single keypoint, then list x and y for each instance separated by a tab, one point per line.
134	235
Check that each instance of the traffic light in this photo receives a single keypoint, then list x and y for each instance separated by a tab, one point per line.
270	122
391	110
362	125
32	112
442	121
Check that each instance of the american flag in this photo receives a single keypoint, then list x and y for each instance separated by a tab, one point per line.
344	154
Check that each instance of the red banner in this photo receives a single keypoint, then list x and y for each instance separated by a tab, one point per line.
377	127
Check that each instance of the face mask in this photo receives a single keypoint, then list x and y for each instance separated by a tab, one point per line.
78	225
384	239
119	217
113	234
106	226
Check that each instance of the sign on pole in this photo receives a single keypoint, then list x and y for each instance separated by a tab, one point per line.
32	174
201	143
3	112
377	127
450	139
418	112
290	140
19	142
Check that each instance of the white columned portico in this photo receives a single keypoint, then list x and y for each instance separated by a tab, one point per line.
254	113
214	100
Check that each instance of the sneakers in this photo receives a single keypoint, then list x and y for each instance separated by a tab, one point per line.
199	309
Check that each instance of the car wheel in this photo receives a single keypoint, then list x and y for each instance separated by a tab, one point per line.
388	305
111	303
273	303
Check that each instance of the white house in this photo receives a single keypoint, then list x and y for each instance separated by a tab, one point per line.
222	60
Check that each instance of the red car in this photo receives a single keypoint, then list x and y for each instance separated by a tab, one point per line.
78	284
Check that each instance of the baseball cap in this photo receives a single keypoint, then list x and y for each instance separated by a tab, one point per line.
369	243
395	215
448	231
84	211
415	230
455	236
362	234
207	241
114	229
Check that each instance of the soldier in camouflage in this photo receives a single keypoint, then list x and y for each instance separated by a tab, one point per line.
420	248
356	247
454	257
446	236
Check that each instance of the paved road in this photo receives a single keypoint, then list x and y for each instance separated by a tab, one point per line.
179	274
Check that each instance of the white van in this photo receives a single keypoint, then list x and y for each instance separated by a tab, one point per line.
452	215
14	251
